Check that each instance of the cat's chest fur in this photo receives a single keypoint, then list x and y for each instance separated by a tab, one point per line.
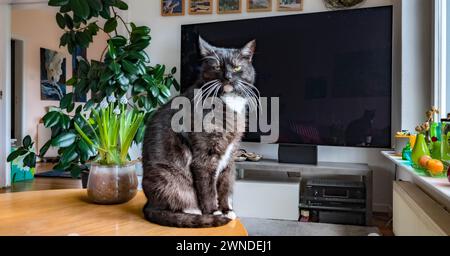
236	104
225	159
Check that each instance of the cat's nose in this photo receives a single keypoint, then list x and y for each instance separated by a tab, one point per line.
228	76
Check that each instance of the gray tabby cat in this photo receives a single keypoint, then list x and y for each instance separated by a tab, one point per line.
188	176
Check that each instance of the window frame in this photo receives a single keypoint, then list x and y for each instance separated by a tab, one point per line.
439	93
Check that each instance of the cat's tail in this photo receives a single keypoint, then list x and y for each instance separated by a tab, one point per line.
184	220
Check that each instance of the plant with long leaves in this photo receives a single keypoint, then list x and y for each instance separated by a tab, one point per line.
112	129
124	70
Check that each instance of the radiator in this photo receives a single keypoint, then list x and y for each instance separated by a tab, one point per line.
44	135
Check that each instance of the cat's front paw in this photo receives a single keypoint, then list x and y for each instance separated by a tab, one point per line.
231	215
218	213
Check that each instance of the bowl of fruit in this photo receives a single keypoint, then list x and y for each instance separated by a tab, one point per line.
434	167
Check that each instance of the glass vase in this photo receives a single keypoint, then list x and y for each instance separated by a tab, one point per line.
445	136
420	149
112	184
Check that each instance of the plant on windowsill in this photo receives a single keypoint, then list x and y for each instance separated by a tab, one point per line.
96	134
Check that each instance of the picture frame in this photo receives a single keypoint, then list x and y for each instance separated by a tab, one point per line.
289	5
199	7
172	7
52	75
229	6
259	5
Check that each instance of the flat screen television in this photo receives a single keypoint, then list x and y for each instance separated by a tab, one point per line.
332	72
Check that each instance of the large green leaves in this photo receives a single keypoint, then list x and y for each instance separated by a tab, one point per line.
96	5
27	141
45	148
58	2
110	25
80	8
25	151
51	119
66	101
30	160
60	20
121	5
15	154
130	68
64	140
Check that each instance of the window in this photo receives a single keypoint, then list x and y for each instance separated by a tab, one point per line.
441	95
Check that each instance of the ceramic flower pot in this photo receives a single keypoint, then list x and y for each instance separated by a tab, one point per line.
420	149
112	184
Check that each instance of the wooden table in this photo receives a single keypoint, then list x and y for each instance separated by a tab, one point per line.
68	212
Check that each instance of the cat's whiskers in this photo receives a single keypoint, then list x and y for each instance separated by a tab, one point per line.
254	99
213	89
252	91
200	92
202	97
251	86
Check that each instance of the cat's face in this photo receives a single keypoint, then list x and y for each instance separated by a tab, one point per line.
228	71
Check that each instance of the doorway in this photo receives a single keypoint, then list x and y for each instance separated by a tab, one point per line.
17	90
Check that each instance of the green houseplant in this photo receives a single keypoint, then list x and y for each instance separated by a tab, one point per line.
124	72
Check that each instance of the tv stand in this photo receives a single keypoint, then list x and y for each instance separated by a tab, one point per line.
322	168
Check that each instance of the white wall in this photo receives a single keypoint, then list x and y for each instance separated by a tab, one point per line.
36	26
417	51
165	48
5	106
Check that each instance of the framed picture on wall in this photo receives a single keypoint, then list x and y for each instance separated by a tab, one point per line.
172	7
289	5
259	5
77	54
200	7
53	75
229	6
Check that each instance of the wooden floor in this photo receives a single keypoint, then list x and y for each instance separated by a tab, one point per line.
380	220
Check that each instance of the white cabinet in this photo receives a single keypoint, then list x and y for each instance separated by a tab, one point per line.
267	196
417	214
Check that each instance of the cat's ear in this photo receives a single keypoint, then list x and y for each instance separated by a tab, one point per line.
249	50
205	48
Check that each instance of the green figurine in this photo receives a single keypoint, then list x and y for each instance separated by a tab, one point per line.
406	152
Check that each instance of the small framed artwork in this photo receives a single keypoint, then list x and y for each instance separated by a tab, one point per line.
172	7
289	5
259	5
53	75
229	6
200	7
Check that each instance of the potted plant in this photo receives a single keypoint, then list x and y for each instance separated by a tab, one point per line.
123	72
108	133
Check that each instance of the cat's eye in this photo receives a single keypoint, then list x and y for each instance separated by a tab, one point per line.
217	68
237	68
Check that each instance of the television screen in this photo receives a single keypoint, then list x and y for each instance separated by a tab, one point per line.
331	71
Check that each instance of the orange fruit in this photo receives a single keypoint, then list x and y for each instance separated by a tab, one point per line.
423	160
435	167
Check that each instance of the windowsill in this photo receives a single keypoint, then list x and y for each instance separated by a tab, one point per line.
437	188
